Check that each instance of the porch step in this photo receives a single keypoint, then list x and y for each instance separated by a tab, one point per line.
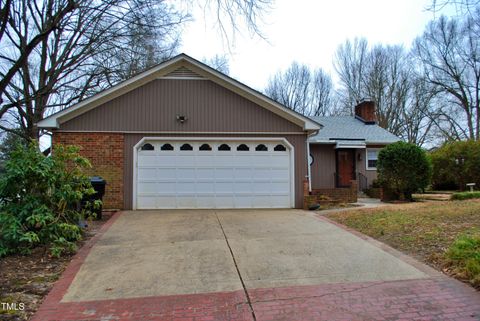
361	194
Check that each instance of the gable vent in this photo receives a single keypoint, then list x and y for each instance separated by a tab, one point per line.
183	72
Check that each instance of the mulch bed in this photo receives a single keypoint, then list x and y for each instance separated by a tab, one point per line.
27	279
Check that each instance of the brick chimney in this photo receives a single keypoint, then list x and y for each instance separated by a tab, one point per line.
365	111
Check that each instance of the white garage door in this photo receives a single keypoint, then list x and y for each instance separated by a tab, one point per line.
213	174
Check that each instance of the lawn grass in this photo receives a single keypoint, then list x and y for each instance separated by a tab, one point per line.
465	195
424	230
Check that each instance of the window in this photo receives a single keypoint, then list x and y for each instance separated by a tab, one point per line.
279	148
186	147
243	148
166	147
205	147
224	147
372	156
261	148
148	146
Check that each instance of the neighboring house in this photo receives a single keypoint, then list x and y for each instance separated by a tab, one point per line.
183	135
346	149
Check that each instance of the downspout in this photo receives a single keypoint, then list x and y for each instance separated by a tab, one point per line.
309	170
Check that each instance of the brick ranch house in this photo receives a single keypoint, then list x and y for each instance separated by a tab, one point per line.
183	135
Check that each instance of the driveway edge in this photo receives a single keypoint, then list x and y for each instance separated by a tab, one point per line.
55	295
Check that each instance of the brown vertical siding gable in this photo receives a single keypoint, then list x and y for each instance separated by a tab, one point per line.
154	106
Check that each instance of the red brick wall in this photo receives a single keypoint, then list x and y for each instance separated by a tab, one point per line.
366	111
106	154
345	195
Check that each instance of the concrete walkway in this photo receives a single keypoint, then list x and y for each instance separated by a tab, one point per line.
248	265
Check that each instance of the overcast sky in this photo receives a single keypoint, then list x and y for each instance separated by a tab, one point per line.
309	32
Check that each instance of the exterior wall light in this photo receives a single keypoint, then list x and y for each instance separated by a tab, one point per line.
181	118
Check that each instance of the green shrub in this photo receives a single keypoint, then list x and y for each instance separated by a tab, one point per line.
465	195
464	255
375	184
403	169
456	164
39	200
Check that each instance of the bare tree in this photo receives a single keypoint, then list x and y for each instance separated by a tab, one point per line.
449	51
321	94
349	63
232	15
65	67
11	14
89	46
417	115
219	63
302	90
386	74
461	6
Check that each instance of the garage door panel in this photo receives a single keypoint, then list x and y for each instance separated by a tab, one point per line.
261	187
186	201
205	201
213	179
147	174
147	188
188	173
279	188
224	173
279	201
245	173
205	187
185	187
205	173
222	161
279	162
166	188
147	160
204	160
263	173
147	202
223	187
241	201
224	201
242	187
280	173
165	173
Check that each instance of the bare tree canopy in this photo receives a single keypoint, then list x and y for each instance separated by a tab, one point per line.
304	91
462	6
219	63
72	61
231	15
449	53
385	74
55	53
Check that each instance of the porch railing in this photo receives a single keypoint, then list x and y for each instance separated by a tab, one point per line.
362	182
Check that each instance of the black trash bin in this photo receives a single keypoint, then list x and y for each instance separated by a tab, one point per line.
98	185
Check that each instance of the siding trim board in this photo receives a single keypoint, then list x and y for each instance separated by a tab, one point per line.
182	133
197	138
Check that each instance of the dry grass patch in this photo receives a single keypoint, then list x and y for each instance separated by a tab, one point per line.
423	230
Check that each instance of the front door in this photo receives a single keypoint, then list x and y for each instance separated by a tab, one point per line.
345	167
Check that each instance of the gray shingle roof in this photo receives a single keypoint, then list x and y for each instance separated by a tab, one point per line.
348	127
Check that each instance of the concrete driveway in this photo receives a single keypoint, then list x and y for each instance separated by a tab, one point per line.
155	253
247	265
